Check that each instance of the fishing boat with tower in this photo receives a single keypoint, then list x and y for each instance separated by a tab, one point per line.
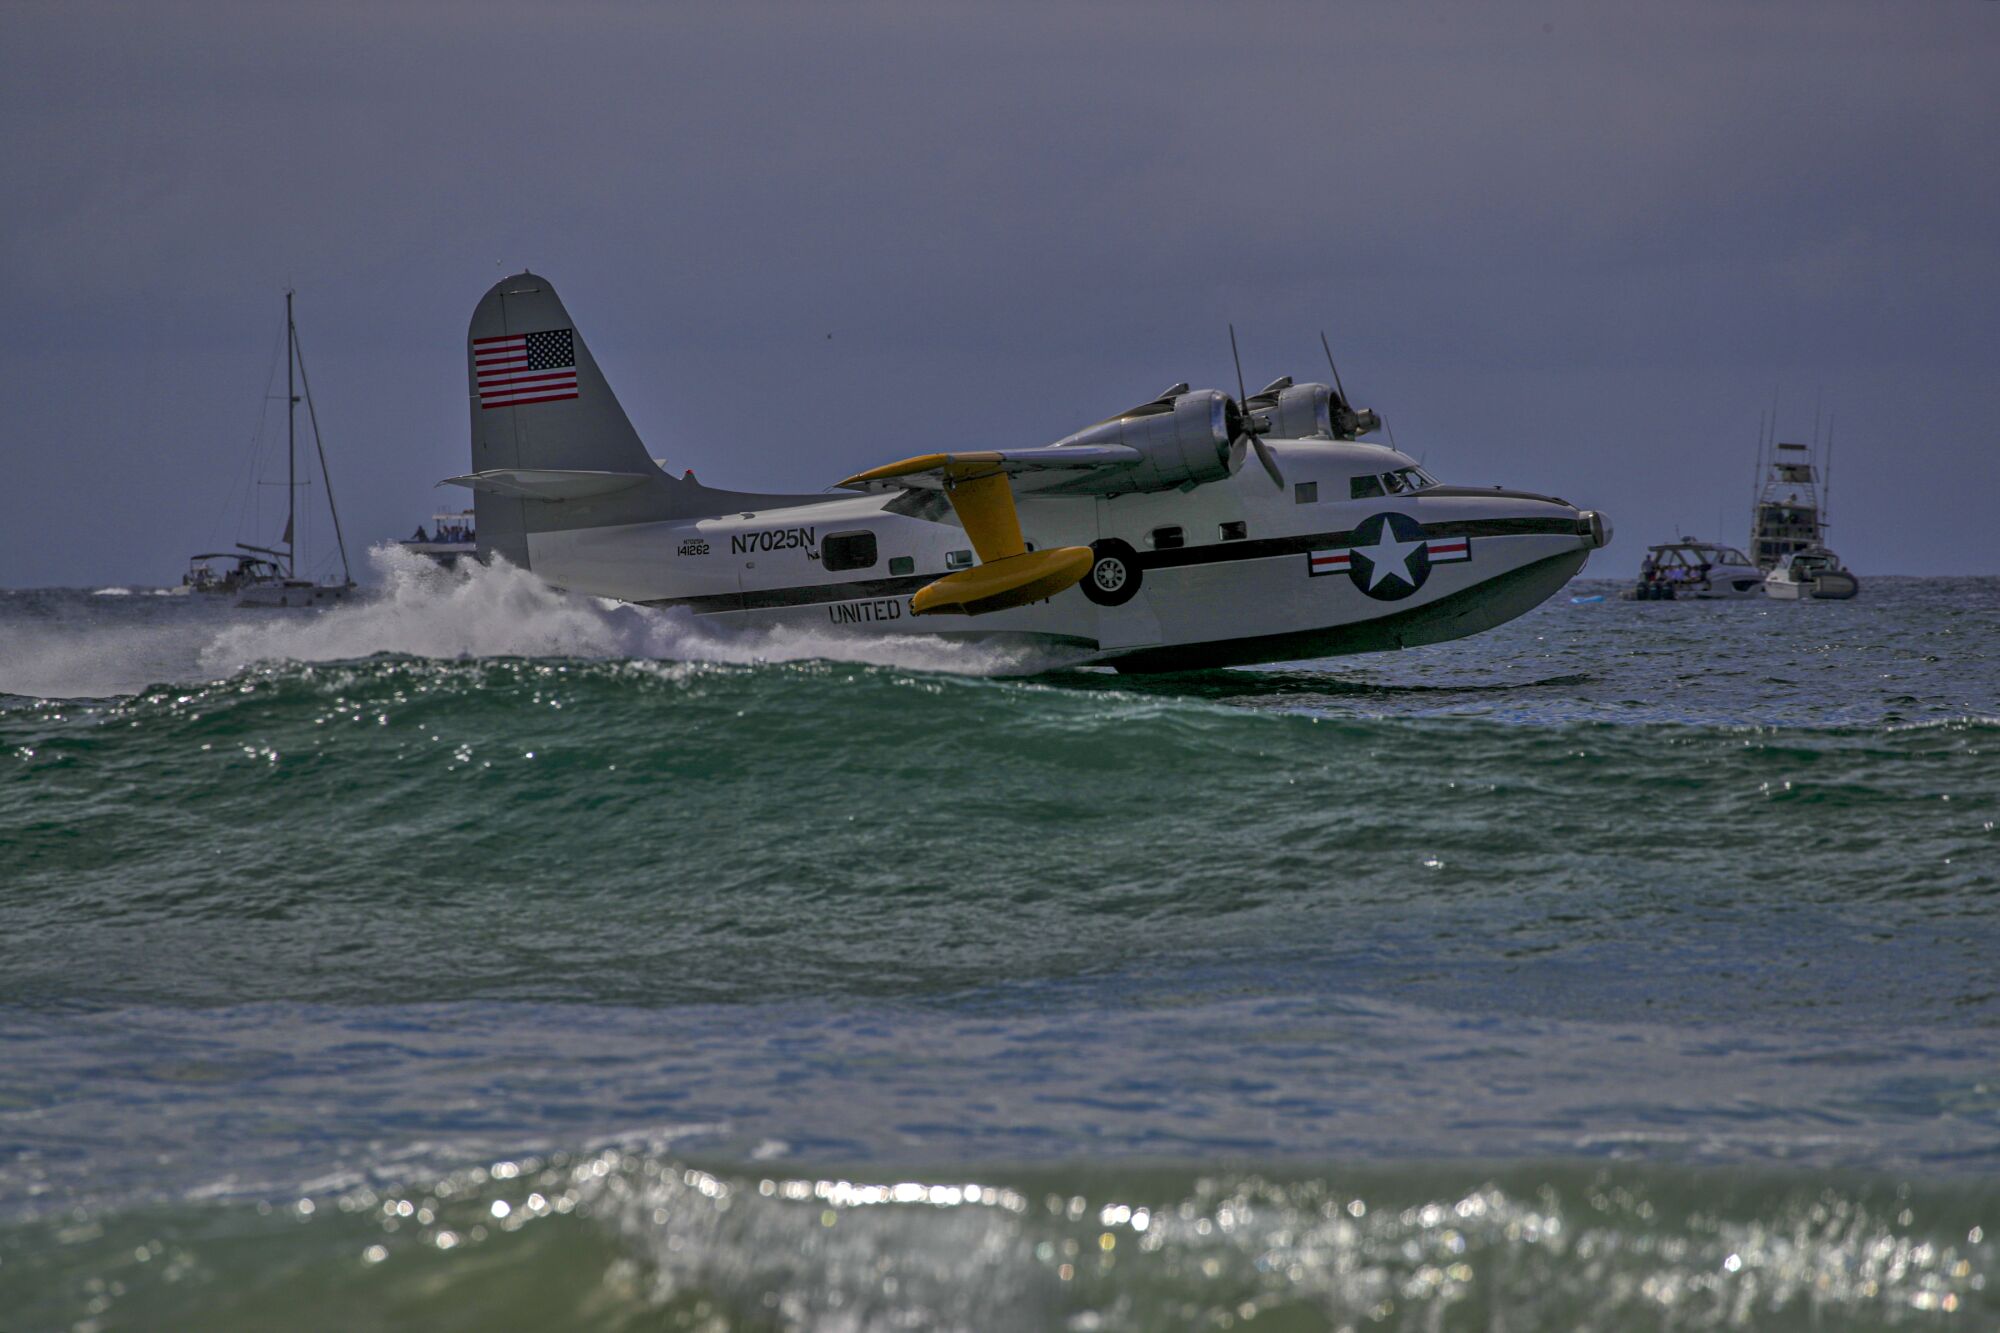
268	576
1788	521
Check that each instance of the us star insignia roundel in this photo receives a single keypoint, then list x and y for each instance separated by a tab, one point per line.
1391	557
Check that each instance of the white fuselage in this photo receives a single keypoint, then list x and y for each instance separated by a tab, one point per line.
1235	570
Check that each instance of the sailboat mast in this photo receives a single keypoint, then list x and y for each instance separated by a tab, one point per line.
291	445
326	477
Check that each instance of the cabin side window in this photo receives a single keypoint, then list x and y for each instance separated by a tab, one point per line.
847	550
958	560
1305	493
1235	532
1364	488
902	564
1166	539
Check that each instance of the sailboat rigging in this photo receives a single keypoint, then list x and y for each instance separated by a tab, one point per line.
268	576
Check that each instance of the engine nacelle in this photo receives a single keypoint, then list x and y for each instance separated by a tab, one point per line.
1298	412
1351	423
1184	438
1311	412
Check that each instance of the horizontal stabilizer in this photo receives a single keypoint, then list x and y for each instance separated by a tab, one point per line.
549	484
932	472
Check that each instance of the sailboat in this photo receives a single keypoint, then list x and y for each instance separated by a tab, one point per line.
275	582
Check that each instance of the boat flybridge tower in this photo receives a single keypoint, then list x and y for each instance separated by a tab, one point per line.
1790	512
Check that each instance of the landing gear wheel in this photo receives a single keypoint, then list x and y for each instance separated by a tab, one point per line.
1114	574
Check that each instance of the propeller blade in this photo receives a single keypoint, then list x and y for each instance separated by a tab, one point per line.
1270	463
1241	397
1250	421
1335	369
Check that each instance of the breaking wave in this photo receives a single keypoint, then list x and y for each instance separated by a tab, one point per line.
629	1239
419	609
500	610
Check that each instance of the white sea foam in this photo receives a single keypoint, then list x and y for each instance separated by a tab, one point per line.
499	610
421	610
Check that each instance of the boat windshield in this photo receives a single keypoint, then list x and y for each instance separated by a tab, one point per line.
1694	555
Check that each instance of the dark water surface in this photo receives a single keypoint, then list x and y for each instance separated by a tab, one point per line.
478	958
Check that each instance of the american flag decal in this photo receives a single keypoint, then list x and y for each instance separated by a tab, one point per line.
515	369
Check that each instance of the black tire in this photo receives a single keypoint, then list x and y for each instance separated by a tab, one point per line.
1114	575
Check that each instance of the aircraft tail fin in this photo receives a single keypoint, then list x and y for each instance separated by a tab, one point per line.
551	448
540	405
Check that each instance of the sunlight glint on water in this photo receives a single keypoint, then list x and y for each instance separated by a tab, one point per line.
480	957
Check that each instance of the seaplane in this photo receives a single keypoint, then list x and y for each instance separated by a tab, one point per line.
1195	530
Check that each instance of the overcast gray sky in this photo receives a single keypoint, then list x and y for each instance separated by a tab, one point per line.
1570	247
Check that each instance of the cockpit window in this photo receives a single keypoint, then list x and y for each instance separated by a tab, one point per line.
931	506
1406	479
1364	488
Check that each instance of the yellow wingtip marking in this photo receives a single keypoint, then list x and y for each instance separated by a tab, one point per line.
985	506
1015	581
949	465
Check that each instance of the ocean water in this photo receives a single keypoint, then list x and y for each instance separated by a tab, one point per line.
476	957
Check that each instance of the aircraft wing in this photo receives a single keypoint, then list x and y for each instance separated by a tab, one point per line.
980	487
1031	469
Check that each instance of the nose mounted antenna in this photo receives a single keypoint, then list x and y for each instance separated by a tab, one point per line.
1248	422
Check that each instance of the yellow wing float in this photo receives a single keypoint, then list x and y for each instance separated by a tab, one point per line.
978	486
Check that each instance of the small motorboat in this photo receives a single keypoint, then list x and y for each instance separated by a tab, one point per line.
209	574
451	538
1688	568
1815	573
